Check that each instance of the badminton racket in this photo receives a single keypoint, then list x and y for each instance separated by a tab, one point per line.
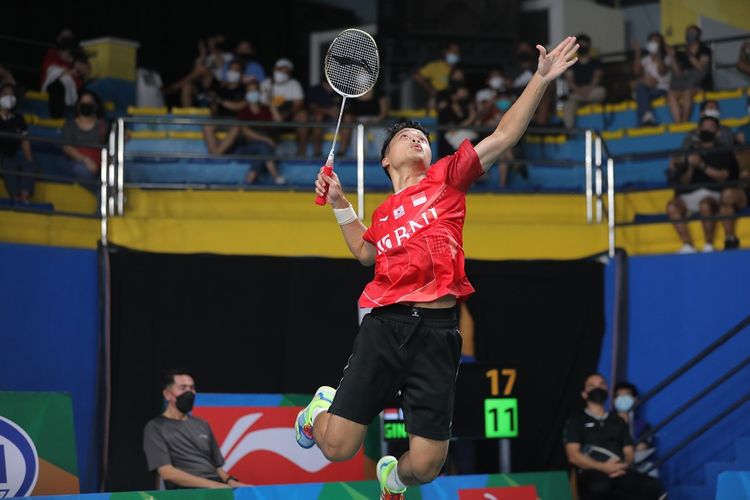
352	65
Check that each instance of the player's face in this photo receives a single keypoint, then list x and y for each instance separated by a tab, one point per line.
409	146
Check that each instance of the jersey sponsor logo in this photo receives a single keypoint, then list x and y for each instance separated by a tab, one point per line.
419	199
19	461
399	212
397	237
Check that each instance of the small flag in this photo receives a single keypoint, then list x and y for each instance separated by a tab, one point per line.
419	199
399	212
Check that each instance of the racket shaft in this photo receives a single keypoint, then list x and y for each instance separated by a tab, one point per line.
321	200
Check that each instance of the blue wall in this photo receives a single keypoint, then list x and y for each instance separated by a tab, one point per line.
679	304
49	335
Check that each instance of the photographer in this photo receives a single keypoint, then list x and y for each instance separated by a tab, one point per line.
701	175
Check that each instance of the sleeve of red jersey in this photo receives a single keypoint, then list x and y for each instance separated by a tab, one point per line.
463	167
369	234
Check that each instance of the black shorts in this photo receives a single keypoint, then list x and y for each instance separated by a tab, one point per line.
408	349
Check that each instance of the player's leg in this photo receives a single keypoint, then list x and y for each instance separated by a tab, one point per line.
337	437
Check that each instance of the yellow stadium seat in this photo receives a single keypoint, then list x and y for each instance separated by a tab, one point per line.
643	131
148	134
678	128
191	111
143	111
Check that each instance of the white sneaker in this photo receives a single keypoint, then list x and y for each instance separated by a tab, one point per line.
687	248
708	247
280	180
648	119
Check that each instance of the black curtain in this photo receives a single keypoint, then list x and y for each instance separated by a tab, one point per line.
286	325
548	318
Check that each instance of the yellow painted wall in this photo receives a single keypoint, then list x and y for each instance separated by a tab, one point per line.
676	15
549	226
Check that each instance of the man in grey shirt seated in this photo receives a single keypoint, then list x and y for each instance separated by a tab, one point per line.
179	447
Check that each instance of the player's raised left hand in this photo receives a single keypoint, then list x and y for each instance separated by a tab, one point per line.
553	64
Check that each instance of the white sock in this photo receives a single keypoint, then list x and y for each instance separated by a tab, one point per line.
316	412
393	482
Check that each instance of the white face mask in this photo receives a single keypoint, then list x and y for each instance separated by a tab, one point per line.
252	96
497	83
233	76
452	58
652	47
280	77
713	113
7	101
624	403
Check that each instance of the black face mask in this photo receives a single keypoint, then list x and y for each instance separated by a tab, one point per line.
706	136
598	395
185	401
87	109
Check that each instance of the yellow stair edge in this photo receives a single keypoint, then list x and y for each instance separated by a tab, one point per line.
644	131
191	111
147	111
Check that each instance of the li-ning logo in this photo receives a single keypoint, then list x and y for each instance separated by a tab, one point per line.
19	462
350	61
400	234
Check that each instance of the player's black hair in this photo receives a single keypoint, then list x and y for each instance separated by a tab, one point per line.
395	129
628	387
169	374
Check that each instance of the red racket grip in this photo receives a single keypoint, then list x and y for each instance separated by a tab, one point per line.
321	200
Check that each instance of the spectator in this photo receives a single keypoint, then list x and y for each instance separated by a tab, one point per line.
700	174
491	106
181	448
519	76
455	107
743	60
725	136
88	127
626	398
690	73
373	107
229	96
64	70
653	76
599	445
19	187
323	106
434	76
286	94
257	140
205	75
244	51
584	81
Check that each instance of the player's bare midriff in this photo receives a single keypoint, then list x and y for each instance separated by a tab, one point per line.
444	302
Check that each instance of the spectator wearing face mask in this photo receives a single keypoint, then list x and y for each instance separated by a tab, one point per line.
455	106
626	398
179	447
599	445
653	74
584	81
691	72
244	51
229	97
194	87
257	140
88	127
64	70
286	94
15	154
698	185
434	76
491	105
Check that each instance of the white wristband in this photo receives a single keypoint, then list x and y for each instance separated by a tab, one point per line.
345	215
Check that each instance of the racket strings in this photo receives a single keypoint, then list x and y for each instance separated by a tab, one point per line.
352	63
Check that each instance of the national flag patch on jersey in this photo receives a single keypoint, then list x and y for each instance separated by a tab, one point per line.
399	212
419	199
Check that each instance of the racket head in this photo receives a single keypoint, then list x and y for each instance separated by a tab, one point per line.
352	63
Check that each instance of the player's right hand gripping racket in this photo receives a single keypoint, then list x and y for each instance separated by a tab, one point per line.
352	65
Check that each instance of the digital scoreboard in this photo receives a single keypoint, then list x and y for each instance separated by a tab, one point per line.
486	406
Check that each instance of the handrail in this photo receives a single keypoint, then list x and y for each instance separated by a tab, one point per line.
694	360
689	439
733	38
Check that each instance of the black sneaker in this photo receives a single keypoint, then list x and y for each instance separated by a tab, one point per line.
731	243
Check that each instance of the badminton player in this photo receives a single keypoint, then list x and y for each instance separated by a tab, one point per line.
410	341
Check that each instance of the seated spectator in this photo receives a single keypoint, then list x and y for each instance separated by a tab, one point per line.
323	106
15	154
228	98
584	81
626	397
743	60
691	72
64	71
286	94
434	76
88	127
491	105
179	447
725	136
372	107
244	51
700	174
599	445
653	74
519	75
205	74
455	107
257	140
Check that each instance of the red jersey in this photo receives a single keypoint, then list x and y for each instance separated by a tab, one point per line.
418	233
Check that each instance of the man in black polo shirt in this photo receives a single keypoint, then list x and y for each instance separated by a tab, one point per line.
181	448
599	445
